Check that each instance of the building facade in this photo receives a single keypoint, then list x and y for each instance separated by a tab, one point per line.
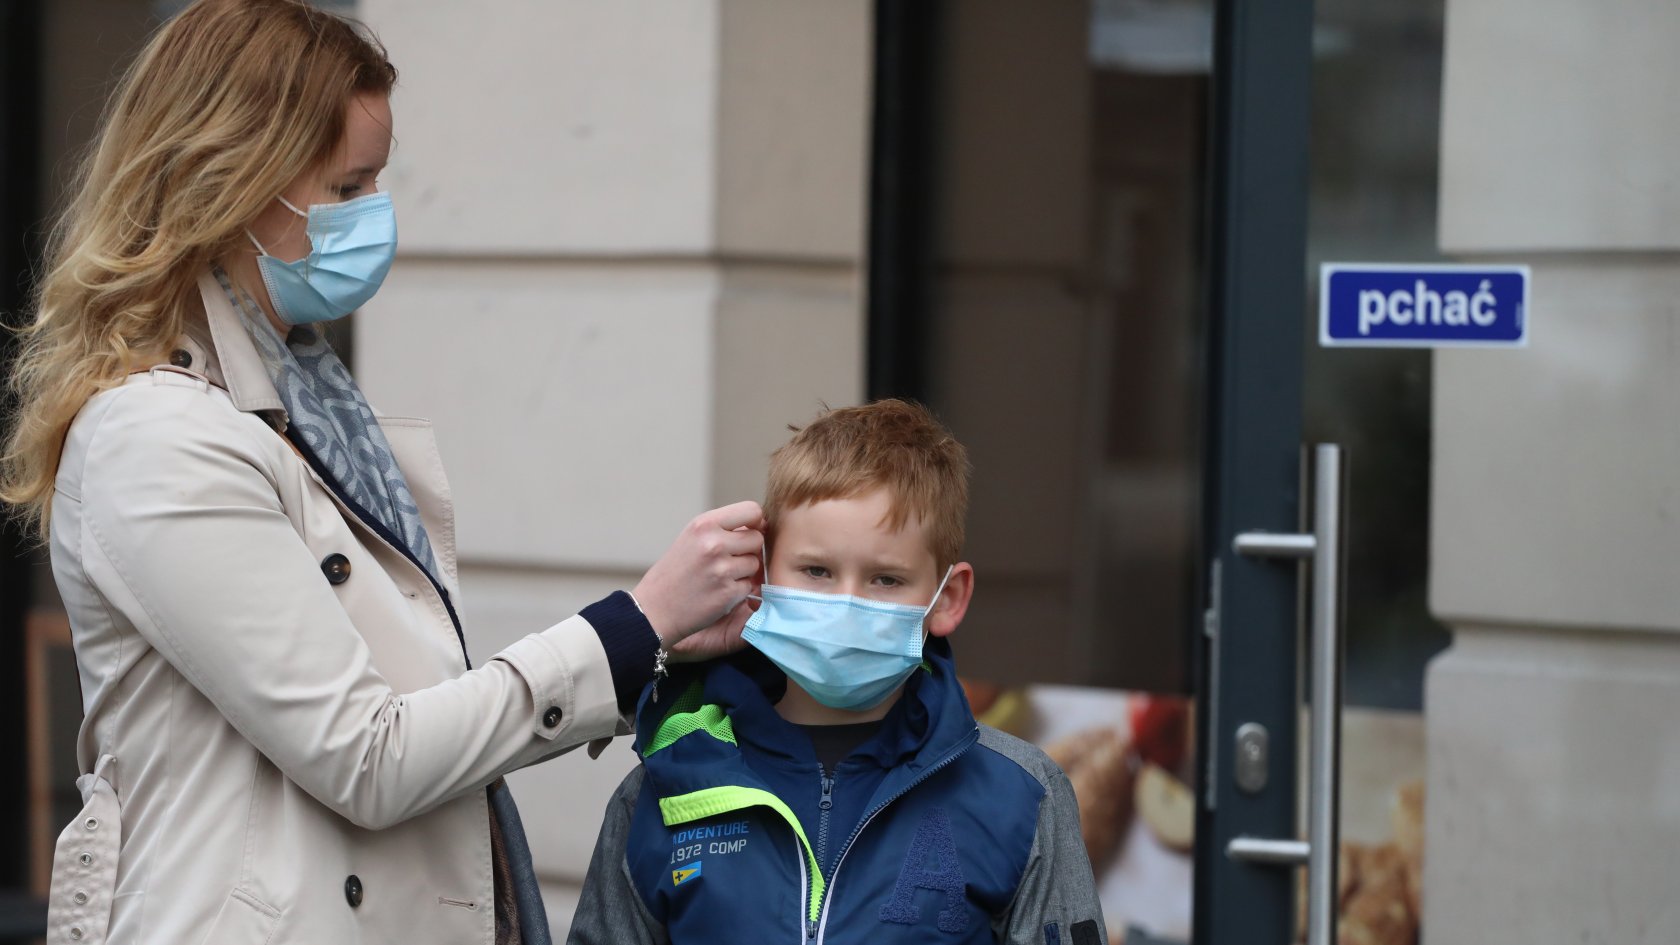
640	239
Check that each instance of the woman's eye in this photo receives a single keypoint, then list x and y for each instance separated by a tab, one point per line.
349	189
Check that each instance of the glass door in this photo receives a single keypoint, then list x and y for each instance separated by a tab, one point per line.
1095	236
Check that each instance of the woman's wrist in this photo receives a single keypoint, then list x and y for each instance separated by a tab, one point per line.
651	625
630	641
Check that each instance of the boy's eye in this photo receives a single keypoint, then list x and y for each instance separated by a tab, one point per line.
814	570
887	580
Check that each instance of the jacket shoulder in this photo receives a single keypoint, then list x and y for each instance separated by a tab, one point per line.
152	418
1027	756
631	787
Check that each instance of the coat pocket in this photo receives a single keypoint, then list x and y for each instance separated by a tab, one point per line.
243	920
84	876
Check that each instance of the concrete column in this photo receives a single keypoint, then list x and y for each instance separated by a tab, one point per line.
632	239
1553	809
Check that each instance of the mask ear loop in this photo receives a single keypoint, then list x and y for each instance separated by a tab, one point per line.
764	556
937	591
263	250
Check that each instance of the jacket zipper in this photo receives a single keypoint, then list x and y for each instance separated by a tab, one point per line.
821	928
824	805
809	925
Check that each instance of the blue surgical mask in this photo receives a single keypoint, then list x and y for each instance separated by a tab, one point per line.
351	246
848	652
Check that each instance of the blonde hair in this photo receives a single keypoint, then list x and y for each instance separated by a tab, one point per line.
229	102
891	444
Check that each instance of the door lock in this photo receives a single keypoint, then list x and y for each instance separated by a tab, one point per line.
1252	766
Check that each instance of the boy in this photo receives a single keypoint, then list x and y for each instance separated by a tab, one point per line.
830	784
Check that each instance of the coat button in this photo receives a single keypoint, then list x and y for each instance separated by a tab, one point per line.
336	567
551	718
353	891
181	358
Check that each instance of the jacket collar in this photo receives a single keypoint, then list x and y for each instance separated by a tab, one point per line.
690	739
223	351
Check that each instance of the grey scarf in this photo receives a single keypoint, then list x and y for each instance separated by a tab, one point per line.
329	414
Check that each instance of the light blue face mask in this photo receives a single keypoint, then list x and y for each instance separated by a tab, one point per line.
848	652
351	246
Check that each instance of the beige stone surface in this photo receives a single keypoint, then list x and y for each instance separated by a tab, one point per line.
1559	126
792	128
553	126
788	340
1554	497
1553	813
572	402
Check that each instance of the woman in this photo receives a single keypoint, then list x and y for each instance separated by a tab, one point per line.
284	741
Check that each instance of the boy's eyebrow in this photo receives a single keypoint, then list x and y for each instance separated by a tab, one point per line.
822	555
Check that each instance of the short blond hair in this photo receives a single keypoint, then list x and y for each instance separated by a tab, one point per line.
891	444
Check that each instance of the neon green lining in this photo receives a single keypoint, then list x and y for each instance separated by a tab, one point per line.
722	800
687	715
708	718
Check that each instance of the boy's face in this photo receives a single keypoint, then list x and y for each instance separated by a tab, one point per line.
844	546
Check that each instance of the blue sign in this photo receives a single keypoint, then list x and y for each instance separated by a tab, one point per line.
1381	305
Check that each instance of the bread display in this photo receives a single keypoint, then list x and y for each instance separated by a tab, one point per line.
1378	886
1408	836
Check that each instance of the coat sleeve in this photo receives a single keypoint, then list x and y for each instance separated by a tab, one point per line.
610	911
183	533
1057	887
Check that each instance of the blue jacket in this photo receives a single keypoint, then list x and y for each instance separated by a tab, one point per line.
936	830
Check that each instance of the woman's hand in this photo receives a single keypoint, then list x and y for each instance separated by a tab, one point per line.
720	639
702	582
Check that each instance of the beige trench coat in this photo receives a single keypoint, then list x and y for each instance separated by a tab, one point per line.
273	755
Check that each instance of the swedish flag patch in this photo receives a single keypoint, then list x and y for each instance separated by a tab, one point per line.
678	877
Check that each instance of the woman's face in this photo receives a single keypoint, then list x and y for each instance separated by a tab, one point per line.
351	171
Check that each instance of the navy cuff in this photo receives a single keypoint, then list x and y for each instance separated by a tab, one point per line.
630	642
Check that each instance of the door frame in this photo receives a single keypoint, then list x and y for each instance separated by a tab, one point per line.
1258	174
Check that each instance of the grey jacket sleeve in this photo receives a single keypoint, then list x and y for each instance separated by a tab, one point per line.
1057	888
609	911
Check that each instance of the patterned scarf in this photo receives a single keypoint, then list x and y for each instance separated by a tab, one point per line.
329	414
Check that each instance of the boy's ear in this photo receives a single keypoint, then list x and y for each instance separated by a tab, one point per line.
952	605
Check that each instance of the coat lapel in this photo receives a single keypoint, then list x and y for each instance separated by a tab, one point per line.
238	366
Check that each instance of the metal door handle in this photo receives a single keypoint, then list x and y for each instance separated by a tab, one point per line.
1324	547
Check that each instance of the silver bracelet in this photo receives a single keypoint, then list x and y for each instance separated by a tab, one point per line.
659	672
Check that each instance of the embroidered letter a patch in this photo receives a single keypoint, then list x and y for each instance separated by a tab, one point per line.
930	864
